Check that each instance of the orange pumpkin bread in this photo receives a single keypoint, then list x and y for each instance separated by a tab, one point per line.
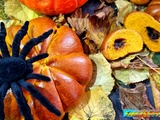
147	26
53	7
140	2
67	66
154	9
121	42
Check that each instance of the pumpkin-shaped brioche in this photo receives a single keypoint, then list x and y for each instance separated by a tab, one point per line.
140	2
53	7
67	66
121	42
153	9
147	26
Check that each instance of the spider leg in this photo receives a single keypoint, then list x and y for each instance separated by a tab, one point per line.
37	76
3	45
3	90
37	94
30	44
38	57
22	103
17	39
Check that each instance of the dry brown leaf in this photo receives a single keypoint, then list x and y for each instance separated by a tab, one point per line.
59	20
99	24
78	21
122	63
155	84
141	60
92	27
135	98
90	47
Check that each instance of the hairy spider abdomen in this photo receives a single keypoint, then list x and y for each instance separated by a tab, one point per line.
14	68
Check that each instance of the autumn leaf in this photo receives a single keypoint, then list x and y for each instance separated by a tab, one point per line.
155	85
92	27
14	9
123	63
156	58
95	105
9	23
103	73
3	15
99	25
60	20
135	98
90	47
133	68
78	21
143	63
140	60
128	76
124	7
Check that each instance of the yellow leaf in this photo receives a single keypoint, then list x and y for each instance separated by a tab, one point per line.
124	8
95	105
128	76
2	12
11	22
15	9
103	73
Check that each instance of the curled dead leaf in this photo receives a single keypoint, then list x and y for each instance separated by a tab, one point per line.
92	27
78	21
135	98
99	25
60	20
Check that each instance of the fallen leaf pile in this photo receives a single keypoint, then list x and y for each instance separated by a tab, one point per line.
108	75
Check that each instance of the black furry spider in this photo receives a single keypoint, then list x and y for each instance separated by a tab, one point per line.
15	70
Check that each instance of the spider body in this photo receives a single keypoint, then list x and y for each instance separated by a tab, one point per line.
15	70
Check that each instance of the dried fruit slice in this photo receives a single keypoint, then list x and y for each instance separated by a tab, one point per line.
121	42
147	26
